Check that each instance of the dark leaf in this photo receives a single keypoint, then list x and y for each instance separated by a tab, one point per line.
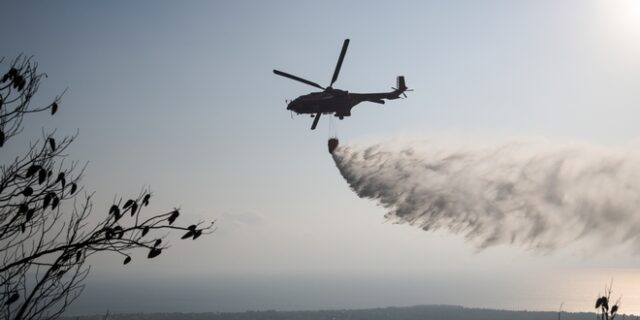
13	298
145	200
598	303
127	260
23	208
54	108
118	232
74	187
32	170
54	202
27	191
614	309
189	234
42	176
128	203
192	227
30	213
23	228
114	210
78	256
174	215
47	200
197	234
134	208
108	233
61	178
145	230
154	252
157	243
52	144
1	138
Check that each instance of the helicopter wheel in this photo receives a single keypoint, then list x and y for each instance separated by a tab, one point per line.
341	117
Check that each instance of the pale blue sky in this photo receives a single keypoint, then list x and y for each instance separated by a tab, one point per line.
180	96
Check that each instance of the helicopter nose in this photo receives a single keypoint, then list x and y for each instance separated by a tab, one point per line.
291	105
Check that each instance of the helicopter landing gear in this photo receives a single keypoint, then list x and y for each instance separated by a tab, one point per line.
315	121
341	117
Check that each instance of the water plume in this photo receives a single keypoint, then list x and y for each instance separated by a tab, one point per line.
531	193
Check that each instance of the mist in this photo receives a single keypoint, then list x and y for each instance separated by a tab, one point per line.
531	193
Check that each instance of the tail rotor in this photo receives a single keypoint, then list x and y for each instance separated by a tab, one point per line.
401	87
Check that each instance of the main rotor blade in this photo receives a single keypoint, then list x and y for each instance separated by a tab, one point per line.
339	65
286	75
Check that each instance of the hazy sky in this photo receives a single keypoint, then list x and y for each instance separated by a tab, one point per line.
180	96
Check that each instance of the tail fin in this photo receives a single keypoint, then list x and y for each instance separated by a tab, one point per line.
401	87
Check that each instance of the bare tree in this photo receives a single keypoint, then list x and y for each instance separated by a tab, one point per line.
46	235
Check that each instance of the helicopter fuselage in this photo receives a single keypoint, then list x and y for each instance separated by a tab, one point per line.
335	101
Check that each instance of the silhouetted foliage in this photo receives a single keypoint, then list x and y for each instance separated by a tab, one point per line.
45	234
607	312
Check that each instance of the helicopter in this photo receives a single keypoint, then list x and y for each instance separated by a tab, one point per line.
336	101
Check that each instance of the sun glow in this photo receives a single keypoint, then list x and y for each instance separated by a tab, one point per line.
621	17
616	33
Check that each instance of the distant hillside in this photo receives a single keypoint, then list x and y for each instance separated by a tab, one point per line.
391	313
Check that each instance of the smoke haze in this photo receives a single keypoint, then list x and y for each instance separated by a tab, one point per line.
530	193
